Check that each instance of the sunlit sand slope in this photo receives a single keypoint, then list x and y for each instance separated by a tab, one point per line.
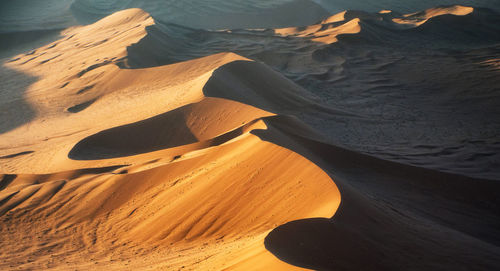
151	168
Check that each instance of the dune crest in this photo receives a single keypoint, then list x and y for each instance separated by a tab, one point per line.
420	18
352	22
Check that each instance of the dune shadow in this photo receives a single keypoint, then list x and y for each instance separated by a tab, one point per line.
164	131
164	44
16	154
14	110
256	84
13	43
168	43
319	244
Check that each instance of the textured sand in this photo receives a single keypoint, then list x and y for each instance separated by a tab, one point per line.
365	141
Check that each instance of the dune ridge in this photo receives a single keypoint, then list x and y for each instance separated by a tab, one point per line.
149	145
353	60
188	177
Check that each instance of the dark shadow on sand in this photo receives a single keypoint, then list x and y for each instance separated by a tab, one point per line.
15	111
164	131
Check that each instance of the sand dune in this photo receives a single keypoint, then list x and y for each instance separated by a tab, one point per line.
188	176
355	63
135	143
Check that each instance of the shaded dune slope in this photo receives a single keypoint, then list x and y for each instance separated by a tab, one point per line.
209	163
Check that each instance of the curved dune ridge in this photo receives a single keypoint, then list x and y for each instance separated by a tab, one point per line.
354	65
187	183
140	144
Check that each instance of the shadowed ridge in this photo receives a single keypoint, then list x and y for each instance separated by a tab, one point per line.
162	45
257	85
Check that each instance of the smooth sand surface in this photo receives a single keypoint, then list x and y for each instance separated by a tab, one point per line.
135	144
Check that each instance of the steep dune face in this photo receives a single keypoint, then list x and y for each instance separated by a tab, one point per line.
138	144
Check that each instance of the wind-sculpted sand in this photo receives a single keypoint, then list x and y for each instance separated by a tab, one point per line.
348	144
